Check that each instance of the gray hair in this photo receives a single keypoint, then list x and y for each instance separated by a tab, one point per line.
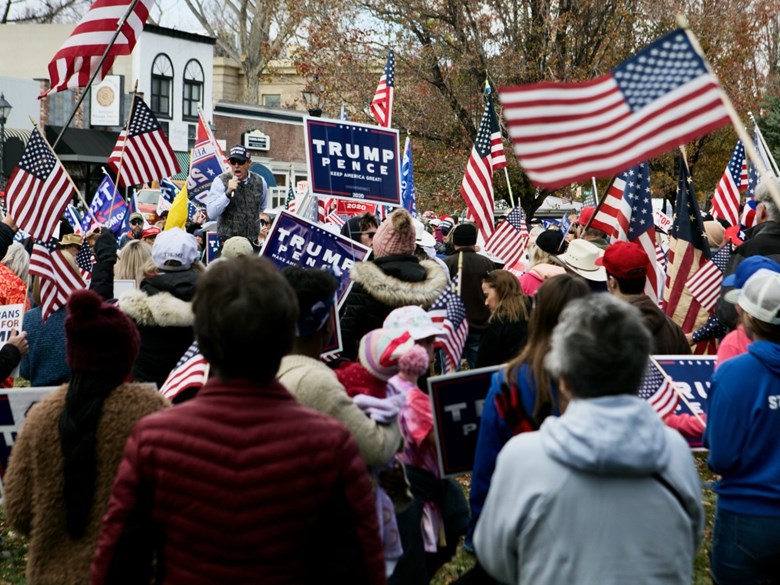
18	261
764	196
600	346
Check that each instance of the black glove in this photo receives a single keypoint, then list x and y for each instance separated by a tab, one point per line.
105	246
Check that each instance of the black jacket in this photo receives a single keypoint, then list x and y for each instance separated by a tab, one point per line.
381	285
501	341
475	267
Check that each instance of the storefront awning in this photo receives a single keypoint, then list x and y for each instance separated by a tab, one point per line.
82	145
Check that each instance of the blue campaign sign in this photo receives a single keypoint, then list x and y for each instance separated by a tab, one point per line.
456	402
353	161
294	241
691	376
213	247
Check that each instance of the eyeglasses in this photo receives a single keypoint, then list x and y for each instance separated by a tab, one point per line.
137	222
369	234
235	161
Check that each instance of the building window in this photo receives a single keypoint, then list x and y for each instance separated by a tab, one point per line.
192	94
272	100
191	134
162	86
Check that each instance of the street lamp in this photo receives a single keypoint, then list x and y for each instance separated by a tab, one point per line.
312	96
5	110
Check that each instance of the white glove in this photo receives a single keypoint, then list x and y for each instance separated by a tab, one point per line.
381	410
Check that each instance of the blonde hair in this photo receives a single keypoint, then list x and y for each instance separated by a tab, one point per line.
133	258
18	261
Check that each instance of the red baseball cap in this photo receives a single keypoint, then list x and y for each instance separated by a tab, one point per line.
624	260
586	213
150	231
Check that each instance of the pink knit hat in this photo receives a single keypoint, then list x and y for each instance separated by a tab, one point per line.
381	349
396	235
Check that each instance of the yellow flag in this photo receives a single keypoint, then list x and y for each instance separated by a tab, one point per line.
177	215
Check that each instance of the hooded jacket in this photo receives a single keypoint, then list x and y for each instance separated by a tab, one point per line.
668	337
743	423
584	500
162	311
382	285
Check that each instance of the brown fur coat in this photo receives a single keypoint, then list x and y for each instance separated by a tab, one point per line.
34	502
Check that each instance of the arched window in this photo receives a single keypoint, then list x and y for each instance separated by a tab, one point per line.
193	90
162	86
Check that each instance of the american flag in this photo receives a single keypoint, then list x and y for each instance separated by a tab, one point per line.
85	260
291	203
335	219
142	151
58	277
73	65
705	283
688	252
382	104
486	157
661	97
510	239
748	218
449	311
39	190
191	371
627	214
725	200
658	390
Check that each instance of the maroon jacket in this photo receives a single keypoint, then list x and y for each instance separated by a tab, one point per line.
240	485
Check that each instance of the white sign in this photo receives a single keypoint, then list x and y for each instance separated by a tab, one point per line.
663	221
105	100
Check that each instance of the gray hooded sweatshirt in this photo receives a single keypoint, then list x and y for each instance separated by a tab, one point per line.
581	501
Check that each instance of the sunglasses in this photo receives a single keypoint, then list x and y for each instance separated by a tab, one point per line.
137	222
369	234
235	161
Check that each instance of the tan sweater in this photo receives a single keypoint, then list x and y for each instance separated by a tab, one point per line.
314	385
33	483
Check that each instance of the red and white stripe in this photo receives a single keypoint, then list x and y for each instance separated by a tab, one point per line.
453	339
705	285
58	277
73	65
146	157
191	373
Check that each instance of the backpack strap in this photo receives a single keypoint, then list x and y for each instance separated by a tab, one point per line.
509	405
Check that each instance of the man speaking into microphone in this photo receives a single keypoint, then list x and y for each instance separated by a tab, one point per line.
237	198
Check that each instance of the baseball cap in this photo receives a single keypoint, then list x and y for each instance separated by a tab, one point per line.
174	244
624	260
237	246
150	232
760	297
747	268
136	215
238	152
423	237
413	319
586	213
550	241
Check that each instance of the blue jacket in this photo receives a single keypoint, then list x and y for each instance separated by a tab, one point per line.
45	364
743	424
494	433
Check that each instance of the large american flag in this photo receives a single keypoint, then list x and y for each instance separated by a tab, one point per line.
58	276
191	371
658	390
450	312
486	157
39	190
510	239
76	61
661	97
688	252
705	283
142	150
382	104
725	200
627	214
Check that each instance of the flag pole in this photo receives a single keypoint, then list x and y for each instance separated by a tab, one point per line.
599	203
460	272
595	189
124	145
509	187
764	144
99	66
54	154
739	127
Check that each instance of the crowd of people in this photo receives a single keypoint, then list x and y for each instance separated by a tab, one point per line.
282	468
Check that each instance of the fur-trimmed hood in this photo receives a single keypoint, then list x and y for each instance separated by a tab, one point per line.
160	310
395	292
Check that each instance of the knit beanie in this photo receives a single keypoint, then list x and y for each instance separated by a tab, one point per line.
99	337
465	234
396	235
381	349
